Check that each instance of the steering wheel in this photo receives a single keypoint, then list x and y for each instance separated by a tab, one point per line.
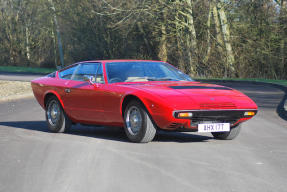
115	80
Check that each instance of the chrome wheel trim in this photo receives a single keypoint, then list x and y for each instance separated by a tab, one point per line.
53	112
134	120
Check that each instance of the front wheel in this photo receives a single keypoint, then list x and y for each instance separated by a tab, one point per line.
57	120
234	131
138	125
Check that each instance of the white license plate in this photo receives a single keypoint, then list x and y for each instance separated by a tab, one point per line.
213	127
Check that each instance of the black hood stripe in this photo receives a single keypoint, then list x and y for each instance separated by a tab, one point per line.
199	87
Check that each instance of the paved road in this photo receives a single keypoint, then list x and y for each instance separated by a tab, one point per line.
101	159
19	76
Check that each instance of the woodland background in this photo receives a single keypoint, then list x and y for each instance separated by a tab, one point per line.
204	38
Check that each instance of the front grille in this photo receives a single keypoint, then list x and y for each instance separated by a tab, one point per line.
216	117
217	106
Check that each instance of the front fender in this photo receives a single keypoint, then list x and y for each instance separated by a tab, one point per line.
153	103
53	93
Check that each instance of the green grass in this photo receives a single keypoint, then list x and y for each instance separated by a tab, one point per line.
26	69
279	82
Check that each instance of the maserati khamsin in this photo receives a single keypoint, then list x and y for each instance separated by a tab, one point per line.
142	97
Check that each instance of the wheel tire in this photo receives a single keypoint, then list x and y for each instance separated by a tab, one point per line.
57	120
234	131
138	127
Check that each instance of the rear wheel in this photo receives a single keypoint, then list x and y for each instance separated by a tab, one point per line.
57	120
234	131
138	125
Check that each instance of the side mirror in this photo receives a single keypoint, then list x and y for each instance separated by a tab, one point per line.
90	79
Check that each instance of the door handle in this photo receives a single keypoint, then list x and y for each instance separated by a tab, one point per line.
67	90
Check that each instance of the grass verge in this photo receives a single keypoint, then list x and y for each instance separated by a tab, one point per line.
26	69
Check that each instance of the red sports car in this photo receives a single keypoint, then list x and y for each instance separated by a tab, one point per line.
141	96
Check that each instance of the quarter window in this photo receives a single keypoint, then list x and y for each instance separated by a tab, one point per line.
80	71
85	69
67	73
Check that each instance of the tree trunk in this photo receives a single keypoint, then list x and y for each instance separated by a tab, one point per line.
163	42
27	33
283	15
219	38
54	43
179	40
58	34
226	36
191	39
206	57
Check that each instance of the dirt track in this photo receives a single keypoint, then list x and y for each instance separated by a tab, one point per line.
14	89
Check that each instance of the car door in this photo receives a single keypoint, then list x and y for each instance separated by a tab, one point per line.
83	99
65	76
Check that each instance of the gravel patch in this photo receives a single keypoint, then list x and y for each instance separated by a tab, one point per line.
10	90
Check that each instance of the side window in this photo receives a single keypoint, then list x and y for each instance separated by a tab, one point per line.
85	69
67	73
100	76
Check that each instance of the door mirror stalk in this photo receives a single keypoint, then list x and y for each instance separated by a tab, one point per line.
90	79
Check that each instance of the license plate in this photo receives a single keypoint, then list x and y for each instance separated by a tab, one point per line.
213	127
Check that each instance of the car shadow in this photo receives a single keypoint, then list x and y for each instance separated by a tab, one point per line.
108	133
180	137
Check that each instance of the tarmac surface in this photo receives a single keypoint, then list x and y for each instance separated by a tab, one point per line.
11	76
101	159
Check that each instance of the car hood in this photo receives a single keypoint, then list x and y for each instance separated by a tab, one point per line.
195	95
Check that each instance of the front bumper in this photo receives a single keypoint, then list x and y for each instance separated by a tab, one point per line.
232	116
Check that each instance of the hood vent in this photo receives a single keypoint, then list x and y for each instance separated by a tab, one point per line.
199	87
217	106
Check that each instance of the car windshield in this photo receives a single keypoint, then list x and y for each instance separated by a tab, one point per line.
143	71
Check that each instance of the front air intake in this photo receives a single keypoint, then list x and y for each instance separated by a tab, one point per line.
174	125
217	106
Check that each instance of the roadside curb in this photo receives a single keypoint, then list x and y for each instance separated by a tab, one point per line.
22	73
24	77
